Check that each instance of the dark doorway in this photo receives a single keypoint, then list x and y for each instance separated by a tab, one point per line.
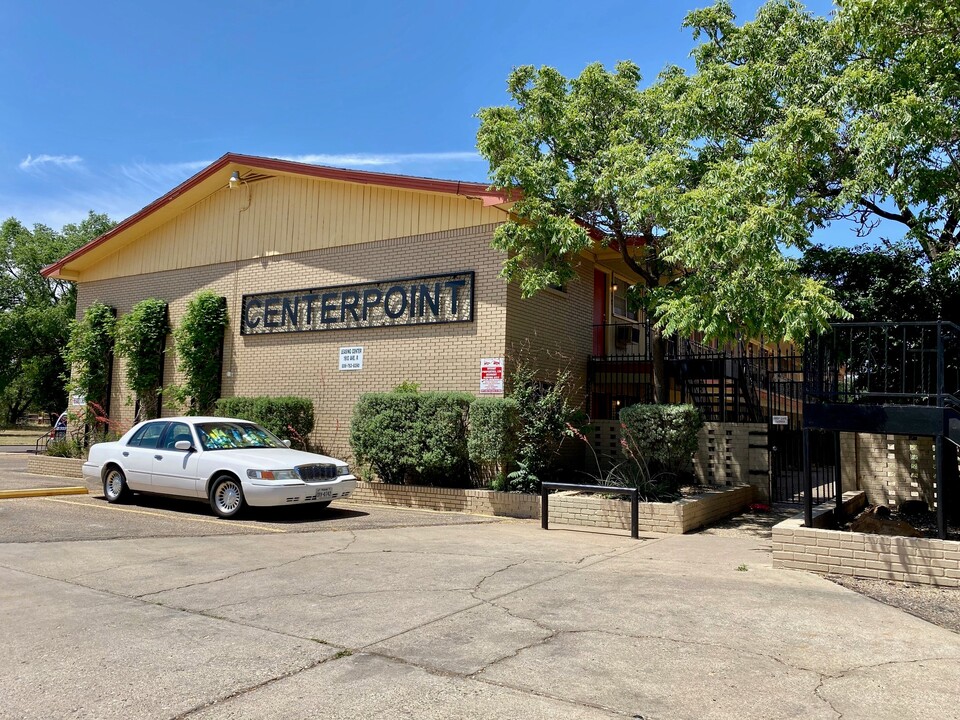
786	464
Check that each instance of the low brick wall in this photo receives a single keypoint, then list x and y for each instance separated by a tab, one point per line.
921	560
565	509
55	466
477	502
727	453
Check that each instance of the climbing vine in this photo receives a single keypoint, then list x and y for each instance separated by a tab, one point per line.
199	344
89	353
141	337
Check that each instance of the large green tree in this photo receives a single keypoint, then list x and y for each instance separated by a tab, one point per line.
890	282
35	312
705	179
597	159
849	118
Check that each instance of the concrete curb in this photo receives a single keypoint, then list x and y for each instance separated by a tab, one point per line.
41	492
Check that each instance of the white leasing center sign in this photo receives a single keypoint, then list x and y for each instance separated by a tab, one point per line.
351	358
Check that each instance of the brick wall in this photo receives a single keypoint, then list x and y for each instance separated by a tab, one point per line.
565	509
833	552
725	456
438	356
477	502
889	468
55	466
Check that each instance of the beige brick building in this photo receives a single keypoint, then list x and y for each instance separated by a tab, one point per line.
297	250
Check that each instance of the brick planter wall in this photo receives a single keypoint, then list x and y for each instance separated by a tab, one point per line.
834	552
477	502
582	510
55	466
727	454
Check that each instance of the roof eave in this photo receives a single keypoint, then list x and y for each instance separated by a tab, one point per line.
472	190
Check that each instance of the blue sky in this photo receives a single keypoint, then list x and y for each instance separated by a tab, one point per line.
108	105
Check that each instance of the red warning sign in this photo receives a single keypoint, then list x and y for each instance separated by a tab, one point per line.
491	376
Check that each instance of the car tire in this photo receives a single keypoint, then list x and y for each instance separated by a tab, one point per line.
226	496
115	488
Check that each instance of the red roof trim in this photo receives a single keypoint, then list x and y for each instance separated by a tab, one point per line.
406	182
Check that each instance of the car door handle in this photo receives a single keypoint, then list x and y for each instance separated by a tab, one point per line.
158	457
126	454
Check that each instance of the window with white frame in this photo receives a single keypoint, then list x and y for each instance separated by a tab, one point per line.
621	305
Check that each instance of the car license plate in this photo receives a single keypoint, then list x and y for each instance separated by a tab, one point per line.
324	494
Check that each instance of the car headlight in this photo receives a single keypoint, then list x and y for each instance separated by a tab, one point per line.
273	474
343	470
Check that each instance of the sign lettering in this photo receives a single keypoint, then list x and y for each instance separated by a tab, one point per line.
408	301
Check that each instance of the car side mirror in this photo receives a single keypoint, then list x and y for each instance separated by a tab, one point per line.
183	445
286	443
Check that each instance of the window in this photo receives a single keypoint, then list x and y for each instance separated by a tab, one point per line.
621	305
175	433
235	436
148	436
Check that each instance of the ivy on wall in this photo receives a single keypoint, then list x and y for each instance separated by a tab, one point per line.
199	345
89	355
141	337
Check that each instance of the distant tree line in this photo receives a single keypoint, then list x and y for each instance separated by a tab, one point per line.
36	313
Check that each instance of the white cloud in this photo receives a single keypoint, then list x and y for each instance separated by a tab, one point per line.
30	162
381	159
161	175
123	189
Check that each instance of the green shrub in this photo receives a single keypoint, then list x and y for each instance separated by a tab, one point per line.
199	344
67	448
286	417
492	438
412	437
661	438
141	338
89	351
546	418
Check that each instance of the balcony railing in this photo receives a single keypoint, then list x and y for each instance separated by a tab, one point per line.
910	363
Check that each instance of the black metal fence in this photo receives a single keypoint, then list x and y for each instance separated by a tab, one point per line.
739	382
916	363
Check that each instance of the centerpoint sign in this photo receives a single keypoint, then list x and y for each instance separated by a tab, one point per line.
405	301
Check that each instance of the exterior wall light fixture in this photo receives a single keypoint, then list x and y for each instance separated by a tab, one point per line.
234	180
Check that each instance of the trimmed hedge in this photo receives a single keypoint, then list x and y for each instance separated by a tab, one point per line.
286	417
664	437
492	438
412	437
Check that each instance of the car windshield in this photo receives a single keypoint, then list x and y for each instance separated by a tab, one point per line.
235	436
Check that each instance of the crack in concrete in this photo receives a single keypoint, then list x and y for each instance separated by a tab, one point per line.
73	578
821	698
476	588
326	596
257	686
273	566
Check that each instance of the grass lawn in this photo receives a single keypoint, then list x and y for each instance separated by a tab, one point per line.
22	435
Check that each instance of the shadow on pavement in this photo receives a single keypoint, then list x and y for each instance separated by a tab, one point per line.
288	515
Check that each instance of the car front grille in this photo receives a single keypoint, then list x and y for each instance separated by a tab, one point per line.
313	473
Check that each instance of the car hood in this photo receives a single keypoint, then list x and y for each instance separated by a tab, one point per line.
273	458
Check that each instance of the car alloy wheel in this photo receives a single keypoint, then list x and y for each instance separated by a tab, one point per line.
115	486
226	499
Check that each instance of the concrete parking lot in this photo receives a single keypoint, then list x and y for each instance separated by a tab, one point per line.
159	610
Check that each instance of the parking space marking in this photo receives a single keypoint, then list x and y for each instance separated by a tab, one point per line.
162	515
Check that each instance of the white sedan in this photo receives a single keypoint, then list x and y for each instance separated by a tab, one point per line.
224	461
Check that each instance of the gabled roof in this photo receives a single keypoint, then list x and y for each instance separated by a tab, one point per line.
216	175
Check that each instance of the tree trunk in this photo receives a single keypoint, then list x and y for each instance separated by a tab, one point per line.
658	352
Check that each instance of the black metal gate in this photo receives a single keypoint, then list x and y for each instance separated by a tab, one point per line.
786	464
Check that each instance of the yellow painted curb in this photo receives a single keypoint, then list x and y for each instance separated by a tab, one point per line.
41	492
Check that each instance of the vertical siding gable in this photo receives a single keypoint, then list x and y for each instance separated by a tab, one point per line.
286	215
